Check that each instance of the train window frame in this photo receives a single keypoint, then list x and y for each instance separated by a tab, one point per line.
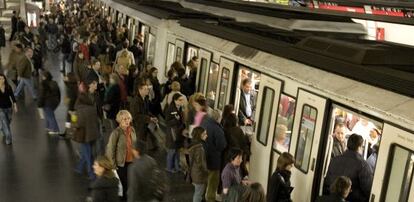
167	66
388	171
277	123
299	167
201	69
210	79
225	92
262	104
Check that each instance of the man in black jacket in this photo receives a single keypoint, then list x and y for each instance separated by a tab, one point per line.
351	164
14	25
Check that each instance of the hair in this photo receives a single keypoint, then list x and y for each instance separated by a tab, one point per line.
231	121
194	58
284	160
280	130
197	132
141	83
135	41
141	147
176	65
215	114
234	152
227	110
246	81
125	44
195	97
202	102
170	73
6	83
121	114
339	125
340	185
175	86
254	193
48	76
354	142
152	70
176	96
180	72
107	164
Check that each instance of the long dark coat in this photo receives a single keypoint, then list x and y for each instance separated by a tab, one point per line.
87	115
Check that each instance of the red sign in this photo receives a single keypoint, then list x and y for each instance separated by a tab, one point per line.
380	35
342	8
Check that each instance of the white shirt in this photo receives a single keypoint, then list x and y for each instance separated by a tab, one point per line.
248	105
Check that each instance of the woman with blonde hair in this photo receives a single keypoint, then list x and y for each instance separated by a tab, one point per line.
105	187
120	146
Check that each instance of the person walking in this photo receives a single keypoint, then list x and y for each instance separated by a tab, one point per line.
49	100
13	25
105	187
24	72
7	105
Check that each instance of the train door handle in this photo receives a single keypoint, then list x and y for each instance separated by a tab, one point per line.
313	164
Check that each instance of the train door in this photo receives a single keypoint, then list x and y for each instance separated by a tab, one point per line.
307	128
179	56
268	102
223	91
393	180
203	68
342	123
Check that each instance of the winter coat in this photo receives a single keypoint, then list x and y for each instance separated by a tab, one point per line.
113	99
87	115
141	116
116	148
236	139
352	165
139	175
175	127
105	190
337	148
215	143
24	67
198	164
49	94
279	189
80	69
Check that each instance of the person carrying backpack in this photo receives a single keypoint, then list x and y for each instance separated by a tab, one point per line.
146	181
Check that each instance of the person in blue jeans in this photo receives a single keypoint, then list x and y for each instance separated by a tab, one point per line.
198	163
24	72
87	125
49	100
7	102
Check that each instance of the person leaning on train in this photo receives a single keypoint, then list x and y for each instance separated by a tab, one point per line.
247	103
339	144
351	164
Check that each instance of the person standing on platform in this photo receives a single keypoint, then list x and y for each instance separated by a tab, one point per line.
279	186
105	187
24	72
49	100
7	105
198	163
13	25
120	146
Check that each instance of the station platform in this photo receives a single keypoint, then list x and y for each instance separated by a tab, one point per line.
40	168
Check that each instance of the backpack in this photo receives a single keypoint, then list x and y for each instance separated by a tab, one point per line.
124	59
158	183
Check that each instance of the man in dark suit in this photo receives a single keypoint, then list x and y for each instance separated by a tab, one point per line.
247	103
339	144
14	25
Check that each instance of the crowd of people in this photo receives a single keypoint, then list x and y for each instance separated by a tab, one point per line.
115	103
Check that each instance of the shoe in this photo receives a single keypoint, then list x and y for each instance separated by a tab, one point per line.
53	133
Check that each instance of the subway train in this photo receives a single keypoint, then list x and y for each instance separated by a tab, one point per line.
303	79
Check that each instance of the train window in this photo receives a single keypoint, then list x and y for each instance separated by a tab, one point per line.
224	87
284	124
178	55
203	69
305	138
266	115
212	83
345	122
151	50
170	56
399	174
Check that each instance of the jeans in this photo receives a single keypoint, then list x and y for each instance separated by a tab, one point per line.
85	159
25	82
50	118
198	192
212	185
172	160
5	120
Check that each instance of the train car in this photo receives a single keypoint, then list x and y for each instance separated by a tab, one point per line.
305	83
